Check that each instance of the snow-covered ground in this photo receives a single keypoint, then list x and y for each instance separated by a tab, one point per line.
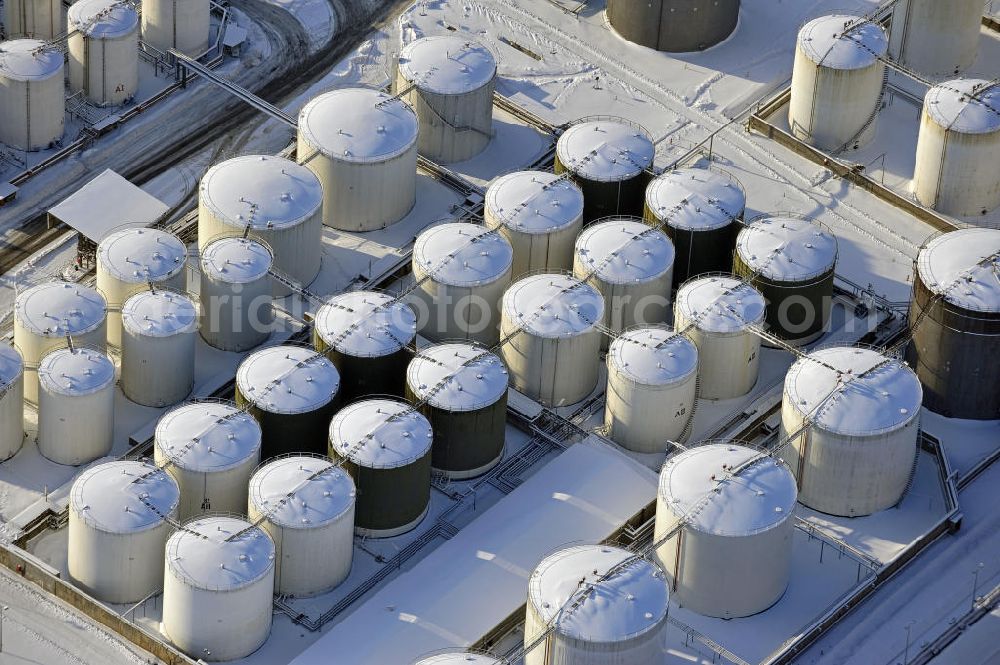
580	67
38	629
979	645
316	16
934	589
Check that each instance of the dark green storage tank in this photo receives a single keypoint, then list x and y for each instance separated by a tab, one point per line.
674	25
609	158
700	210
791	261
386	447
462	390
292	392
955	324
366	334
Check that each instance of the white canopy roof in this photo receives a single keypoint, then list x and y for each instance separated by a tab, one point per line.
108	203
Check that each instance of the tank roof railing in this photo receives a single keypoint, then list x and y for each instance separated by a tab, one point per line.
605	117
897	349
565	176
290	494
783	214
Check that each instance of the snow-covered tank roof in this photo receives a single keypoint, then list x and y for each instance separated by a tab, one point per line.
534	202
29	60
142	255
447	64
970	106
699	484
287	379
159	313
963	265
207	436
720	304
566	589
236	260
625	250
463	254
75	372
58	309
358	125
457	377
695	199
11	365
653	356
366	324
208	554
827	41
262	190
459	658
787	248
103	19
606	150
380	433
302	491
854	391
553	305
124	496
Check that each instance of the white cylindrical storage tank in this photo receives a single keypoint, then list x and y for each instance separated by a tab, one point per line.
719	314
131	260
306	505
724	513
459	658
362	145
118	526
218	585
367	335
551	324
462	391
791	260
956	170
11	402
609	159
540	214
386	447
159	329
236	292
76	406
853	416
33	103
41	19
292	391
606	606
837	81
462	270
631	264
652	387
211	449
700	210
449	82
46	314
280	201
182	25
103	50
936	38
